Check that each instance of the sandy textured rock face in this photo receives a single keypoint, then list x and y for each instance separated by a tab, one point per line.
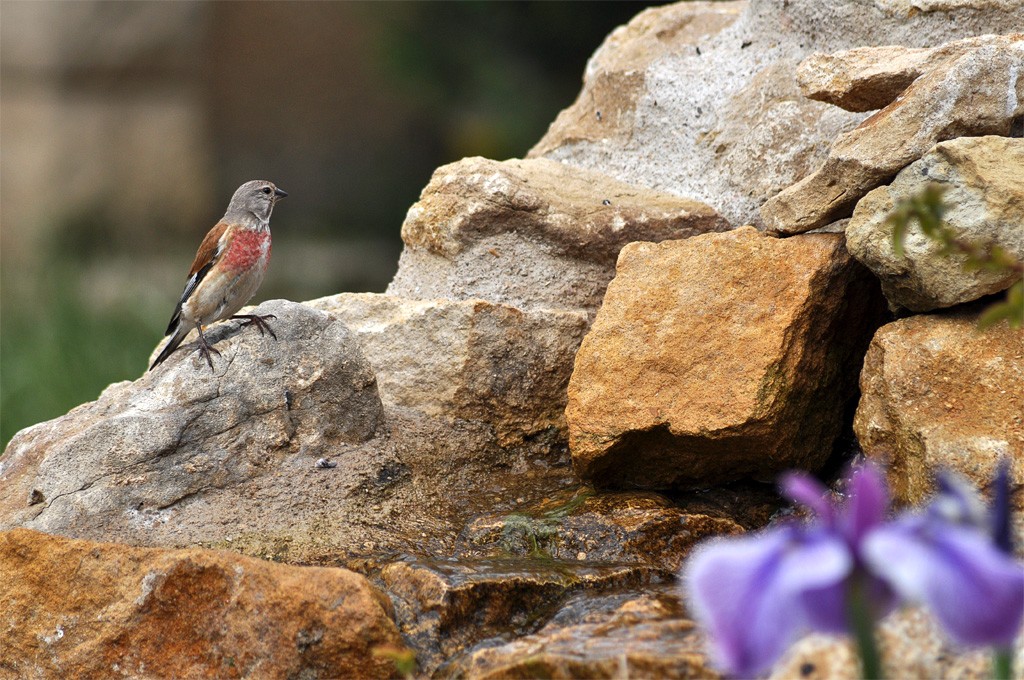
939	393
912	646
870	78
979	93
467	359
719	357
699	100
532	234
98	610
984	178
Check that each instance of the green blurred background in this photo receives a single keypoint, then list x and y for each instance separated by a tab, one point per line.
125	127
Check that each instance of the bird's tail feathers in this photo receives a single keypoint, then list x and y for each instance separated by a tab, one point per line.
172	344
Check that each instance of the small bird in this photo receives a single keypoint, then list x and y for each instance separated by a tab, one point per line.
228	269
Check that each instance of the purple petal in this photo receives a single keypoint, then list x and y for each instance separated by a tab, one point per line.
801	488
956	500
826	608
748	591
1001	513
868	504
975	591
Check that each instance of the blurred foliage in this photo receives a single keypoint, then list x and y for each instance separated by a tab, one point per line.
61	351
403	658
927	209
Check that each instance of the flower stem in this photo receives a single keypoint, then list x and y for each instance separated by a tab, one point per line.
1002	663
862	623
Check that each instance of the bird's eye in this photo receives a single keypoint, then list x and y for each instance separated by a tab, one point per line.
266	190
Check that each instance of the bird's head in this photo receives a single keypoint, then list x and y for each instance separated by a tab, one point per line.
255	198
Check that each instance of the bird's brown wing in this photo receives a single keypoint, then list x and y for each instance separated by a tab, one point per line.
207	255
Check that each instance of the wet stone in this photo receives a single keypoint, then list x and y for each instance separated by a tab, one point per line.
643	633
443	607
628	527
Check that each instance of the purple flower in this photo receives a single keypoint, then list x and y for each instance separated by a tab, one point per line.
947	559
756	594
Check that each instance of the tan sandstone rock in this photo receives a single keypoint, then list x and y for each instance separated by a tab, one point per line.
869	78
531	233
936	392
911	643
720	357
698	99
78	609
984	204
978	93
470	359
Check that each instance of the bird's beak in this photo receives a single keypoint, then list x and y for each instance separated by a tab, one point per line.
280	194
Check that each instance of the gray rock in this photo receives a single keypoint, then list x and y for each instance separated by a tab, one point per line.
533	234
127	463
978	93
984	204
184	456
870	78
699	100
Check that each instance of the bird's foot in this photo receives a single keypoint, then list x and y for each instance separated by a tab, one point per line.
206	349
258	320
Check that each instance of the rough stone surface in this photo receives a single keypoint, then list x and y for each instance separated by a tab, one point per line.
869	78
984	204
470	359
443	606
183	430
939	393
912	646
531	233
184	456
98	610
698	99
720	357
979	93
623	528
641	634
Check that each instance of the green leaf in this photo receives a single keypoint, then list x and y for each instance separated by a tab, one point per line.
1011	309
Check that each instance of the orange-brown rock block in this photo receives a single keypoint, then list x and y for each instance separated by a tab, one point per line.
939	393
720	357
78	609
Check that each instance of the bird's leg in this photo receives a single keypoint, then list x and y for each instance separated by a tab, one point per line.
205	348
258	320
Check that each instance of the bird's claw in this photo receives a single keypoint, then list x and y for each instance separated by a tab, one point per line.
258	320
205	349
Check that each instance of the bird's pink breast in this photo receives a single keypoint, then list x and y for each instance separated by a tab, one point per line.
247	248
